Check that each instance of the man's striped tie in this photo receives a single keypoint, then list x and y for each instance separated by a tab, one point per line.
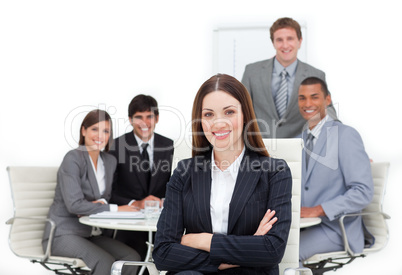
309	147
281	98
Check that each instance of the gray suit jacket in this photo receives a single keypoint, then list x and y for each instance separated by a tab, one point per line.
257	79
76	189
338	178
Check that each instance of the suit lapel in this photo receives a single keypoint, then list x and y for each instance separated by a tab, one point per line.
300	75
91	176
319	150
245	185
304	166
108	176
201	189
157	162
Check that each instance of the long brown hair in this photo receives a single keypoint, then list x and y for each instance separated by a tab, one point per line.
93	117
228	84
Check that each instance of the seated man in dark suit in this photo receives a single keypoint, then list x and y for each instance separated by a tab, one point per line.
144	163
336	175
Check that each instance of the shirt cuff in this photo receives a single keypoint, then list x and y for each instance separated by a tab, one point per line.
113	207
103	200
131	202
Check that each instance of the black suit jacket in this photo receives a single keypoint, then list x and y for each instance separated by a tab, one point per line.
262	183
129	182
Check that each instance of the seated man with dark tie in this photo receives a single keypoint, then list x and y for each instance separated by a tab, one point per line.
144	163
336	175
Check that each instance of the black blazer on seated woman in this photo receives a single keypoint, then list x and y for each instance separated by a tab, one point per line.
262	183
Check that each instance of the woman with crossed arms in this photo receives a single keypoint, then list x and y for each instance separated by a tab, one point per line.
231	200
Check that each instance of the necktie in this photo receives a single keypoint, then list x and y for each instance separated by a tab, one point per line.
281	98
309	147
146	166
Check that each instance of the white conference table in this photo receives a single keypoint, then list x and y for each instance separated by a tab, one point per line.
150	225
121	224
126	224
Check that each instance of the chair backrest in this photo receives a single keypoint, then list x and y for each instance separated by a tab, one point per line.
291	151
32	190
182	150
376	224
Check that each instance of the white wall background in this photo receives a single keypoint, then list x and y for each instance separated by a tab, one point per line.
57	56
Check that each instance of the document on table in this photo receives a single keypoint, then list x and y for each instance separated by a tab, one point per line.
117	215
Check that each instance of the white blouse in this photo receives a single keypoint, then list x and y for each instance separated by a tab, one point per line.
222	187
100	175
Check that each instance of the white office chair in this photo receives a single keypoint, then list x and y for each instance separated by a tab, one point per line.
33	191
375	221
291	151
182	150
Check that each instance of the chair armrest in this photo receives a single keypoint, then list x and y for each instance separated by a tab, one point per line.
298	271
386	216
118	266
342	225
51	235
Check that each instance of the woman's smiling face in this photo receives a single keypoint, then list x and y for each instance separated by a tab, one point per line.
97	135
222	121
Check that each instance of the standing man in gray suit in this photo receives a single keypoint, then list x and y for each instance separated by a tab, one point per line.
336	175
273	83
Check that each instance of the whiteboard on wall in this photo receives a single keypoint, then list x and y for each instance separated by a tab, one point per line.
236	47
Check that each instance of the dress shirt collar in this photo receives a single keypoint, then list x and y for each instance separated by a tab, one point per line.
150	143
233	169
291	69
316	131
